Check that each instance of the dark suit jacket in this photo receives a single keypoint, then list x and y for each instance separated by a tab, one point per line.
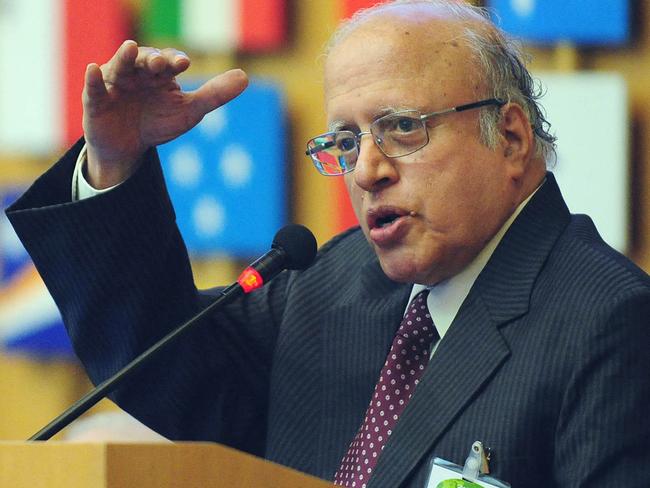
547	361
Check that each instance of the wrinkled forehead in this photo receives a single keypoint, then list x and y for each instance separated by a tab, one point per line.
417	41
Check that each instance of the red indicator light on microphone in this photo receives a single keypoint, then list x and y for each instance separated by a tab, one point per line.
250	280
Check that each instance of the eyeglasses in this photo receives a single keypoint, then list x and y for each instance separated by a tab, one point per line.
397	134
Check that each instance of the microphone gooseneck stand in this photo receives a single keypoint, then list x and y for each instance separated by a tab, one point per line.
294	247
108	385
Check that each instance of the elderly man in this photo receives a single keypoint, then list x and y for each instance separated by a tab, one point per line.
470	305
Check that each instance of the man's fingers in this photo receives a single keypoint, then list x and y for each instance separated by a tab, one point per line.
122	62
150	60
132	66
166	62
94	87
177	61
219	90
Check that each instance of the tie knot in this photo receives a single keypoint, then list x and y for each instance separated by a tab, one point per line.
417	322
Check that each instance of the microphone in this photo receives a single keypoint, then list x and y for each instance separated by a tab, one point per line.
294	247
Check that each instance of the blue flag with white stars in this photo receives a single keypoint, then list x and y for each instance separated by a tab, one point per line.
227	177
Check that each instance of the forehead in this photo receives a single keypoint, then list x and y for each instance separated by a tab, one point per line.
398	58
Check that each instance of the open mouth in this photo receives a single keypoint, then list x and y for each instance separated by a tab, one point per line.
384	217
386	220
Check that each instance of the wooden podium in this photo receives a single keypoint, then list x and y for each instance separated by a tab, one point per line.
136	465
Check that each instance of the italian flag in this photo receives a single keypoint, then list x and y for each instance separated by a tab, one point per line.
217	25
46	45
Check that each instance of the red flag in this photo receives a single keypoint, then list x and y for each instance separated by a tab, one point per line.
92	33
262	25
349	7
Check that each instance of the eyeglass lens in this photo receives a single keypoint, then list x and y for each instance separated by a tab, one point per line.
396	135
334	153
400	134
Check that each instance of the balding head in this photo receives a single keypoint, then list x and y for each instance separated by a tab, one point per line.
413	11
497	63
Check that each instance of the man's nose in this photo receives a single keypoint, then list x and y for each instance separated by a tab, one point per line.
374	170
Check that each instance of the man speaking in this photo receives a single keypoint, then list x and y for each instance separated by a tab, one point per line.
469	305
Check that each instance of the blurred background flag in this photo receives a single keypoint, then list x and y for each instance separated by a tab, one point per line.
46	45
349	7
227	177
224	25
29	320
578	21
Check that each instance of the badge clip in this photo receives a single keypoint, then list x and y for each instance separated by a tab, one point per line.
474	473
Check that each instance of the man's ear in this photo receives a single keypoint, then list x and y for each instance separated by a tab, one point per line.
517	139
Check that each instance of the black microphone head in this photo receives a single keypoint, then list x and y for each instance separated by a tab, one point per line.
298	244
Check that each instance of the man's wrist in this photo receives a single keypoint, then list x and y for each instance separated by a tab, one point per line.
81	188
102	173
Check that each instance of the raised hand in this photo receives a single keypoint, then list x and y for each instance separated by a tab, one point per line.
133	102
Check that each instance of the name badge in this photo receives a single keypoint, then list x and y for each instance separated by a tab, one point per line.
445	474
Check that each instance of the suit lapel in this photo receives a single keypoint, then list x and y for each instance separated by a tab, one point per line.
470	353
473	349
355	343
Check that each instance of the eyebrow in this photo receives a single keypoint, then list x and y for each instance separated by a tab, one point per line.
336	125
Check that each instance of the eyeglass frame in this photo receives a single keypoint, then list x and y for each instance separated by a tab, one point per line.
423	118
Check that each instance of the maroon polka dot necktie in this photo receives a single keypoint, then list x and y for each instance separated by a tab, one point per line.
408	356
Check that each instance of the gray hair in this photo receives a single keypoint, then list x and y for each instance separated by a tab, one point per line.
503	68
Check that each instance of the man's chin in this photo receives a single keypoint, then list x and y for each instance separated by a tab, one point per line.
402	269
398	270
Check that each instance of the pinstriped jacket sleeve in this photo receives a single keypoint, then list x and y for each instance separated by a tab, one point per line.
602	430
118	271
